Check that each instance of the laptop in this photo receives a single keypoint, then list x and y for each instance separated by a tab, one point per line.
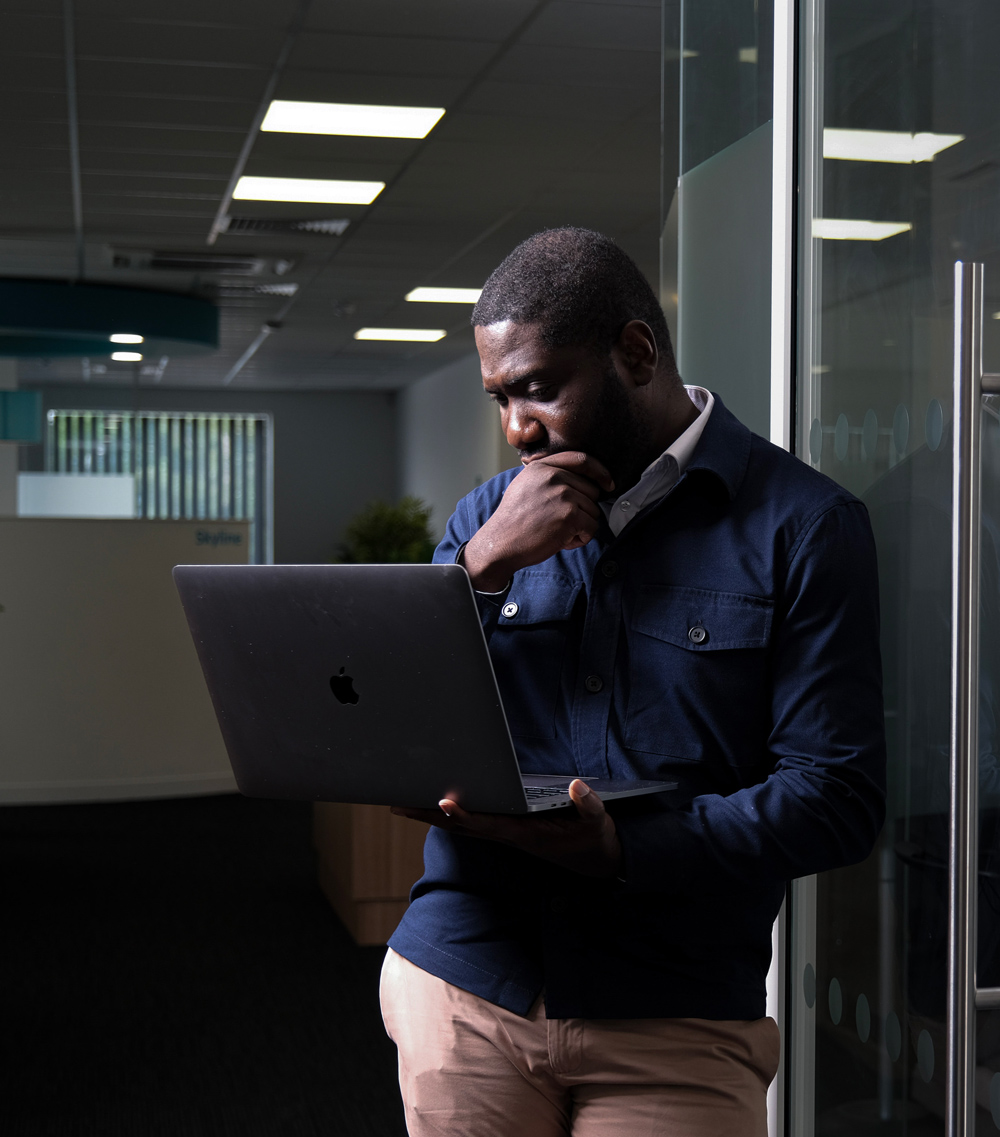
362	683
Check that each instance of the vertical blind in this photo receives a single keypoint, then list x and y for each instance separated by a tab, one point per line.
186	465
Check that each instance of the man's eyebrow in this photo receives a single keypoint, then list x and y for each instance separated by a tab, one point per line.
512	381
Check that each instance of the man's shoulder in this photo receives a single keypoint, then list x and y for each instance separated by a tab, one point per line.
801	507
779	471
755	471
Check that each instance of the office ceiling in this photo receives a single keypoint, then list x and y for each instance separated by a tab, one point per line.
552	118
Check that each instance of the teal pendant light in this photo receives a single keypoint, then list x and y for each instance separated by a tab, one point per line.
54	318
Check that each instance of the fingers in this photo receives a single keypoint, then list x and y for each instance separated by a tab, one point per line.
585	487
580	463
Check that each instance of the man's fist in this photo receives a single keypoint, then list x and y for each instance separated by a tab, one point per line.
550	506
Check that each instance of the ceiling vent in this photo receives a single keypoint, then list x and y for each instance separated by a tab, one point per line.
331	227
189	262
233	290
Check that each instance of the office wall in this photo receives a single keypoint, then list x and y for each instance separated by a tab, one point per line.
334	451
450	437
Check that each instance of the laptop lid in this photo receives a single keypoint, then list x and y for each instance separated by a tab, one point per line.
353	683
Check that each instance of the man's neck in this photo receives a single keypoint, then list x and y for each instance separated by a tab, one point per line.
676	412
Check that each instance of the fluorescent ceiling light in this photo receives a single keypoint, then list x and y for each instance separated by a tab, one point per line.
125	337
420	335
308	189
351	118
837	229
126	356
885	145
444	295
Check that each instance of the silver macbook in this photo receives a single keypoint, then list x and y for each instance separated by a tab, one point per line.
362	683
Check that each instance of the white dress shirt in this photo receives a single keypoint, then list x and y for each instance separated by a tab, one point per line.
660	477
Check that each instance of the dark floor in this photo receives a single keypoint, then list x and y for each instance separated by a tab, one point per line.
171	970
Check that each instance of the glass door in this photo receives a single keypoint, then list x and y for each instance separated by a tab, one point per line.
899	142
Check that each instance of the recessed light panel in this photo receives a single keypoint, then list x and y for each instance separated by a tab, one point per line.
126	356
350	118
315	190
125	337
444	295
416	335
885	145
837	229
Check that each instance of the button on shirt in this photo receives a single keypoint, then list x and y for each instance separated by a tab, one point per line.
726	638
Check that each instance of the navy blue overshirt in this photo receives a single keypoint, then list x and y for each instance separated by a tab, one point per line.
727	640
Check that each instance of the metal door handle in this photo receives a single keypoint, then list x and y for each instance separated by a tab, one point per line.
964	996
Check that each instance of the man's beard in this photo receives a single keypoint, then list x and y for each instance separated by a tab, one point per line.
620	434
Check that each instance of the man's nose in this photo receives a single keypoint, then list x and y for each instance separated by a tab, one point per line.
523	430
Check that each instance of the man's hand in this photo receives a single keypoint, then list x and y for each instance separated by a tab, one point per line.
581	839
550	506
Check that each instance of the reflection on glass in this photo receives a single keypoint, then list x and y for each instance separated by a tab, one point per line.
835	999
875	334
863	1018
726	76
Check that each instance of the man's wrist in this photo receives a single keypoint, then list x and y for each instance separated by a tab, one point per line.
490	577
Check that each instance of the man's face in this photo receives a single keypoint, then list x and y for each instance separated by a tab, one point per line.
565	398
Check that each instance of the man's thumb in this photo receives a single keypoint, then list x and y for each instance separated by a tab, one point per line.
584	798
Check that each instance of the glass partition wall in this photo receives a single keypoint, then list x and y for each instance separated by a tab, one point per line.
900	157
898	176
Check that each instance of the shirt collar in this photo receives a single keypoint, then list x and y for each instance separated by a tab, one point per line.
661	475
724	448
683	447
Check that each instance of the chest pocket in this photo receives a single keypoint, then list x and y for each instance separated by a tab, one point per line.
528	648
698	674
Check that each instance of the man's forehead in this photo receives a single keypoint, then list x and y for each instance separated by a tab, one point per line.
510	352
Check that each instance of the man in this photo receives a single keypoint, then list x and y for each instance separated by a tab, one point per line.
667	596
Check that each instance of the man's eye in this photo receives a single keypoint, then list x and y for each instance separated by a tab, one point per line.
541	391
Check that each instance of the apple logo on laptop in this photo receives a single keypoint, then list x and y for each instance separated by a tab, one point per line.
342	687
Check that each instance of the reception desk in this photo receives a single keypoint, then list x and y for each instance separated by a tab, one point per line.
101	694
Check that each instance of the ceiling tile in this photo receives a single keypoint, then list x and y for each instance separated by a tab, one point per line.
566	23
556	125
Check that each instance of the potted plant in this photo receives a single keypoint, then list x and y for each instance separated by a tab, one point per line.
389	534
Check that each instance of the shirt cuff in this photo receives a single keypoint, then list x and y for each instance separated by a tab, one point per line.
494	597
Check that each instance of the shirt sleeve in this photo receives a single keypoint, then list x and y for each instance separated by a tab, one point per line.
822	803
462	526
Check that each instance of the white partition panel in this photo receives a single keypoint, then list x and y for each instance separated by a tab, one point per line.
101	695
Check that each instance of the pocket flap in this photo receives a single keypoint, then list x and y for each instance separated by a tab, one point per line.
539	598
700	620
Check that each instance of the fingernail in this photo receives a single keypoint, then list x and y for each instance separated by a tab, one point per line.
583	789
444	810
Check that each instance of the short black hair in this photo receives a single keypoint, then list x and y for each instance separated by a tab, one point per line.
579	286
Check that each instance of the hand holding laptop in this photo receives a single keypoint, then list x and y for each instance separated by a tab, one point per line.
583	840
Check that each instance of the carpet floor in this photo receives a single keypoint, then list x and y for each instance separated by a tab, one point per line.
170	969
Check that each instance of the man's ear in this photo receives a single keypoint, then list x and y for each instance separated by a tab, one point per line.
636	350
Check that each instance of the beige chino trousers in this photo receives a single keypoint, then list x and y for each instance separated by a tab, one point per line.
468	1068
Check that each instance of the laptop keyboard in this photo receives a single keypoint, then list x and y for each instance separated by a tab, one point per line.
536	793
